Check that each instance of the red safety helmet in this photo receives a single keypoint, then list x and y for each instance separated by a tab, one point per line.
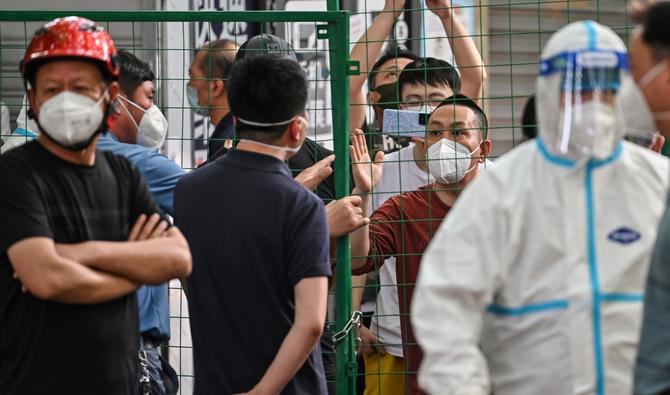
71	37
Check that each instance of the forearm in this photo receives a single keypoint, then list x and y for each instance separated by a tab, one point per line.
48	275
294	350
152	261
467	56
86	286
360	238
357	289
368	47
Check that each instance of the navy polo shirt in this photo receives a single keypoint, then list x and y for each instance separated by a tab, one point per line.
254	234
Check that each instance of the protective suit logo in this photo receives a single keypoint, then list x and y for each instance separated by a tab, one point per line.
624	236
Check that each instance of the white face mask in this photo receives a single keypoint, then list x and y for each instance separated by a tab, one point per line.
594	133
449	161
153	126
648	78
71	119
290	150
638	119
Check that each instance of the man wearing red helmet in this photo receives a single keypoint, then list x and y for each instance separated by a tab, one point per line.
79	230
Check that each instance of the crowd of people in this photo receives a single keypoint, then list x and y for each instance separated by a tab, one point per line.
542	274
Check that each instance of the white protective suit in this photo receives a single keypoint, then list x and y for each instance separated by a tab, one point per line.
533	283
26	130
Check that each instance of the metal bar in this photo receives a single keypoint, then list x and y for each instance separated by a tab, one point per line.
178	16
339	60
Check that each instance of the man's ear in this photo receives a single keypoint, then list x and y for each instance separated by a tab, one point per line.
486	150
32	102
296	128
373	97
218	88
113	89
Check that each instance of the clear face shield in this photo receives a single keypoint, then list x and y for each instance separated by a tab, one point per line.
579	111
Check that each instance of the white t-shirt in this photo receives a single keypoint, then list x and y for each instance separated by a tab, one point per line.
400	174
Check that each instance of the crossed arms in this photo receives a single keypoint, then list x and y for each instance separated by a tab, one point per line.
98	271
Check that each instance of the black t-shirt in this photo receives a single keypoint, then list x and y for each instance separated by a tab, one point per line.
55	348
254	234
309	154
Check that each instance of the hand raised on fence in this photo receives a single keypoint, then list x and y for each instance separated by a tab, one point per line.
367	173
441	8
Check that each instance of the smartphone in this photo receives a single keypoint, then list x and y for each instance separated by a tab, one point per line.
405	123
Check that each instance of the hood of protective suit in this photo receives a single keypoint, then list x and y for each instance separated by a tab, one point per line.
23	121
584	65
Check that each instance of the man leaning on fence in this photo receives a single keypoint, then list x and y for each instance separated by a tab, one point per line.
257	296
79	229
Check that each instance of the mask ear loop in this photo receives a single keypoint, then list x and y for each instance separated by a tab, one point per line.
128	112
479	146
653	73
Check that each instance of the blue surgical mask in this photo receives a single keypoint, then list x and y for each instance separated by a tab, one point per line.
192	95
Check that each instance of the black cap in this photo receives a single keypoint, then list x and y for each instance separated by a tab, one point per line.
265	44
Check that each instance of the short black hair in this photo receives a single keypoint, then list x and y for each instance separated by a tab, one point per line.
218	59
482	122
266	89
432	72
393	52
656	30
528	119
132	72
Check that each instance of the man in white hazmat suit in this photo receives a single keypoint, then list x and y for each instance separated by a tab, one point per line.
26	130
533	284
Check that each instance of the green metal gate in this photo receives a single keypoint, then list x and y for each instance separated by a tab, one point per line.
332	26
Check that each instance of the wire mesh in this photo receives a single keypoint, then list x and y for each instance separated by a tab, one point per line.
508	37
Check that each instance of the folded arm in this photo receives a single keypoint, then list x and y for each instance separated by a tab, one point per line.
151	261
48	275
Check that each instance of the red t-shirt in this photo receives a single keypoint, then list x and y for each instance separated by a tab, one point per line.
402	227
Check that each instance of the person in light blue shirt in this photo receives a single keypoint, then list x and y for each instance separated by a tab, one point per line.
139	130
160	173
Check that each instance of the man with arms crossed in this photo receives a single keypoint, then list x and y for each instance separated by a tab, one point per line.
67	229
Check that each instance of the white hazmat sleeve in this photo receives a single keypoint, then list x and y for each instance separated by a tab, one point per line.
459	273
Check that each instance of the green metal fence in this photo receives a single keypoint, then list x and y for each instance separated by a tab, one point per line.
331	27
509	34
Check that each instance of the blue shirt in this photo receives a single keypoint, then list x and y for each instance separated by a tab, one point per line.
240	293
161	175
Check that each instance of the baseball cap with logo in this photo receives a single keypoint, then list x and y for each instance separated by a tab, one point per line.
265	44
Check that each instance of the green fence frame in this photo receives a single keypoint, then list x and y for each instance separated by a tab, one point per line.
336	31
